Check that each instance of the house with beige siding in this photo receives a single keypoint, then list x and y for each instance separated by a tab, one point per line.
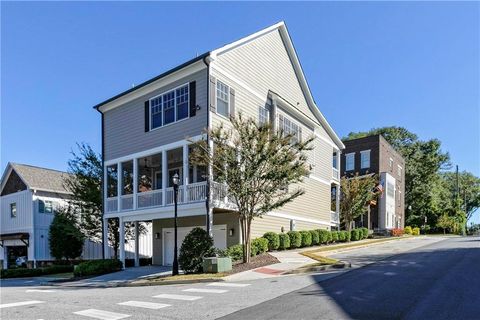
147	132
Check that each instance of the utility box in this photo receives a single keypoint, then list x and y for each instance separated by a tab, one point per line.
216	265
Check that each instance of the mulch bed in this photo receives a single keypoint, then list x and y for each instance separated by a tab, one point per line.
261	260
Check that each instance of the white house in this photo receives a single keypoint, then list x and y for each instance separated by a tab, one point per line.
29	197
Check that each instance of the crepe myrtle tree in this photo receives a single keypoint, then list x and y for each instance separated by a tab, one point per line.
85	183
258	165
356	192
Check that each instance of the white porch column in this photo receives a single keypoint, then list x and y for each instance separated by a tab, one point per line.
135	182
185	173
119	186
137	245
164	177
121	230
106	247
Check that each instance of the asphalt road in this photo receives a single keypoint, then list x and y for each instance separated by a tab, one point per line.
437	281
427	278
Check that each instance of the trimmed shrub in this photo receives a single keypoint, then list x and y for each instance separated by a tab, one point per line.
235	252
364	232
397	232
24	272
355	235
315	237
97	267
273	240
416	231
335	236
196	245
295	239
284	241
408	230
329	237
341	236
258	246
348	236
306	238
323	235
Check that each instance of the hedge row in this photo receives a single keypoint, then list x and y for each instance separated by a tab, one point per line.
413	231
97	267
24	273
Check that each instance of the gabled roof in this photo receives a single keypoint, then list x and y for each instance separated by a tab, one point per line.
36	178
282	28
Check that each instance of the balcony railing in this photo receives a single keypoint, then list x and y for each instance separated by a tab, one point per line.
335	174
190	193
334	217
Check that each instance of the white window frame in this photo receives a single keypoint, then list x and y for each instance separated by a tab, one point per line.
265	116
351	154
174	106
13	208
289	129
399	170
391	164
217	97
362	160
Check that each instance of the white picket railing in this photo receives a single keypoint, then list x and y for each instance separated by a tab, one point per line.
196	192
150	199
335	173
112	204
126	202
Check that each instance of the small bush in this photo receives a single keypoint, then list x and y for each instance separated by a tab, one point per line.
408	230
196	245
97	267
315	237
341	236
348	236
273	240
364	232
24	272
306	238
397	232
235	252
323	235
284	241
355	235
329	237
335	236
416	231
295	239
258	246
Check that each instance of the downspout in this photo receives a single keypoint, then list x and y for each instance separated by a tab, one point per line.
103	184
208	218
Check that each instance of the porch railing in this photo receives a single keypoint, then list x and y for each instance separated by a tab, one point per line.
335	173
112	204
150	199
196	192
334	217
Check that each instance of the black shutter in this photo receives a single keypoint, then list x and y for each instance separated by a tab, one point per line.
212	96
232	102
193	99
147	115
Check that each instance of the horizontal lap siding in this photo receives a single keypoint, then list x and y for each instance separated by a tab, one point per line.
125	125
323	159
264	65
268	224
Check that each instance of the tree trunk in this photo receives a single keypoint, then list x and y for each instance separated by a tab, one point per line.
244	238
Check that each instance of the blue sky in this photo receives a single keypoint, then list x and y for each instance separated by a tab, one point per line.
411	64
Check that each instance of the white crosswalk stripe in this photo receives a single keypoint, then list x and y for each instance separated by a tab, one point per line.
21	303
101	314
205	290
228	284
40	290
177	297
144	304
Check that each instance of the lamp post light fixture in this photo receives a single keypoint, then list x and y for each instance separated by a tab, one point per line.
175	181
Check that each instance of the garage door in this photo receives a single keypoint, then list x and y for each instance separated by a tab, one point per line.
219	240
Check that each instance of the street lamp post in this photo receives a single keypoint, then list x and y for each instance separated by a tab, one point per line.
175	199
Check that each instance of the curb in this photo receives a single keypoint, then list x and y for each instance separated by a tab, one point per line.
301	270
143	283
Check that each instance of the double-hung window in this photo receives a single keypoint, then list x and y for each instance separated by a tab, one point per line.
289	127
223	103
350	161
263	115
365	159
169	107
45	206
